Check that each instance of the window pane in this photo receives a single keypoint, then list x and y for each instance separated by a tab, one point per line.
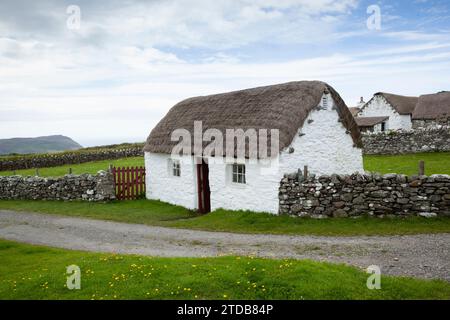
238	173
176	168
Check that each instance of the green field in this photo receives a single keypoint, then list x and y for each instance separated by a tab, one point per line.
157	213
34	272
435	163
87	167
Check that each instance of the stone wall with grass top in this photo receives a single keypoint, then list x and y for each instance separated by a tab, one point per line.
367	194
87	187
46	160
409	141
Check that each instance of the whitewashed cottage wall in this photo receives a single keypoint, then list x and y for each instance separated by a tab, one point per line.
377	128
162	185
379	106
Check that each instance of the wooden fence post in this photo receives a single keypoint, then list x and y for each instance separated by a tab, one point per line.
70	170
305	172
421	168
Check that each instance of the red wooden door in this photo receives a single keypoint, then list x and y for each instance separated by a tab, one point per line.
204	193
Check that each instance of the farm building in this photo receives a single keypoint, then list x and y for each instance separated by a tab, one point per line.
396	109
354	110
315	129
371	124
432	110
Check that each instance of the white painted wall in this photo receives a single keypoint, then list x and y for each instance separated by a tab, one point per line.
162	185
259	193
323	146
377	127
378	107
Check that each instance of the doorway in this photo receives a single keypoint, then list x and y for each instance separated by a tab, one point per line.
204	193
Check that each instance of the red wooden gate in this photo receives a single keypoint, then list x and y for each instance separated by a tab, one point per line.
129	182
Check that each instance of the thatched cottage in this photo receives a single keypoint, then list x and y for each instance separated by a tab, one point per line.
386	111
432	110
314	126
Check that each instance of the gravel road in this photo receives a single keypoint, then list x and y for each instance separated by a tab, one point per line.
423	256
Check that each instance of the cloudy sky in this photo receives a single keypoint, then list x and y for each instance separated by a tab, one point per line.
114	77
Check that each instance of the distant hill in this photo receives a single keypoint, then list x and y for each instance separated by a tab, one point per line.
37	145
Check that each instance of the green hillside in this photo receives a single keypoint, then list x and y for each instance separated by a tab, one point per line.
37	145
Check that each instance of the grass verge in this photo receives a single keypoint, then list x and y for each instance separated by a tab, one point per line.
157	213
35	272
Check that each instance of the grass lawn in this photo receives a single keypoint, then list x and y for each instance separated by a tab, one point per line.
162	214
435	163
33	272
87	167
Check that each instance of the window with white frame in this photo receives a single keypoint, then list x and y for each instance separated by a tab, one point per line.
238	173
176	171
324	102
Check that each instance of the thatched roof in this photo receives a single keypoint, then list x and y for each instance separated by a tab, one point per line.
369	121
402	104
433	106
284	107
354	110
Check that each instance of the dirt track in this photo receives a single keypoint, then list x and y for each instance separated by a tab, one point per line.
425	256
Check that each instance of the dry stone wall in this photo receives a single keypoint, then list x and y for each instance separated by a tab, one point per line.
430	124
411	141
371	194
87	187
59	159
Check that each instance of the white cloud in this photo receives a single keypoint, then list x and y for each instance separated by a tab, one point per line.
137	58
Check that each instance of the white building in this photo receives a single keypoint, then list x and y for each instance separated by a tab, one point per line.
396	109
315	129
432	111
